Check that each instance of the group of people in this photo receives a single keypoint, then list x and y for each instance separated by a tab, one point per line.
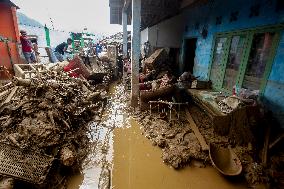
30	50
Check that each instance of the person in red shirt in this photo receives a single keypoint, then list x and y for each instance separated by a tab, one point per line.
27	47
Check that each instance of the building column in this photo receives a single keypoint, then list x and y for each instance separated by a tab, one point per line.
125	33
135	51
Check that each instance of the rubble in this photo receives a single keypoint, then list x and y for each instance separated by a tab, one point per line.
180	145
49	114
115	39
176	138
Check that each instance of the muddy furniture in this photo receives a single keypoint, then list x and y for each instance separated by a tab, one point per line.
171	106
164	93
235	124
155	61
220	120
155	94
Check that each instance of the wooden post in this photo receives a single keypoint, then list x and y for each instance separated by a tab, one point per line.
135	51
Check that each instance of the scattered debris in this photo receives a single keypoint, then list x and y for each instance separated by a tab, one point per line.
180	145
197	133
176	138
49	114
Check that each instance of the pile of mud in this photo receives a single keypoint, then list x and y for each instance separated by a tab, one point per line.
253	172
177	140
180	145
49	114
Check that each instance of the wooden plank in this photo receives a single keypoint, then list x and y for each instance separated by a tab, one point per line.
196	131
276	141
4	93
265	147
10	96
18	71
6	87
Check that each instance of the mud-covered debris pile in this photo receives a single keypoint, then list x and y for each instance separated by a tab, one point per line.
50	114
115	39
177	140
253	172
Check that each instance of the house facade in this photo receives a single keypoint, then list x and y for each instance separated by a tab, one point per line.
239	44
235	44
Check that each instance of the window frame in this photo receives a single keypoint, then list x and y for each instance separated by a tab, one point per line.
249	34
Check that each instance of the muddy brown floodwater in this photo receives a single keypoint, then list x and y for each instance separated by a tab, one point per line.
131	160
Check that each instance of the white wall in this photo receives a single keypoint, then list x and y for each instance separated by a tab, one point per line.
165	34
144	35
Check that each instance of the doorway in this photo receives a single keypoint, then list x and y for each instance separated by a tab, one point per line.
189	56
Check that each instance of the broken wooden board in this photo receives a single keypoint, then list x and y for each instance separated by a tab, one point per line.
11	95
204	145
265	146
156	55
4	93
276	141
6	87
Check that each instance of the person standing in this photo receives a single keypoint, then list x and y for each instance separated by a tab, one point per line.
61	49
99	49
27	47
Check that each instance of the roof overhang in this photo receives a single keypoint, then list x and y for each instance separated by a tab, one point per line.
152	11
9	3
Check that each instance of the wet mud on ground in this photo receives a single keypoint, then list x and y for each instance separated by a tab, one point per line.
131	161
137	164
123	158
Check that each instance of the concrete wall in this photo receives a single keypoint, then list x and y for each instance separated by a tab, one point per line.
274	92
165	34
144	35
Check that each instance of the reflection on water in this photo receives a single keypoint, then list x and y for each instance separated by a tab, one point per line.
97	165
130	159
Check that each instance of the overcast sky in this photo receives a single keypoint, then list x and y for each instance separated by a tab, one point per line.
70	15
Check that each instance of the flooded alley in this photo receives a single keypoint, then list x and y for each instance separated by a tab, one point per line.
141	94
124	158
